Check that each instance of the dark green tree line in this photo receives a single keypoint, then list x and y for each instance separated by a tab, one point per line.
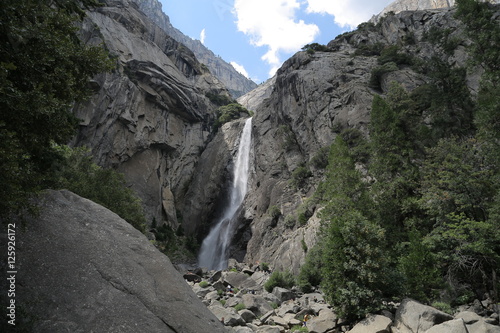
44	69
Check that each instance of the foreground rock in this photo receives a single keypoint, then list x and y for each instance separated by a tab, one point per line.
81	268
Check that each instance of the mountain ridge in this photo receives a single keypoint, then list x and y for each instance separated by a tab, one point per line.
235	82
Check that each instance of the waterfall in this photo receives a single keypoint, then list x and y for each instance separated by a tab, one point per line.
215	247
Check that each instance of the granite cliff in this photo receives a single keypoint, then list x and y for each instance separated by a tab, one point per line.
151	117
236	83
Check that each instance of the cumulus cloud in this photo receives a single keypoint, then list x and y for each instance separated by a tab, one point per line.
202	36
273	23
240	69
347	13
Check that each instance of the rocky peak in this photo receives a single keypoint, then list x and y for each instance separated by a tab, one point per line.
235	82
405	5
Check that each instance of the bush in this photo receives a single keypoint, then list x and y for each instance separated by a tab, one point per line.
264	266
107	187
379	72
239	306
320	159
279	279
274	212
299	177
229	112
203	284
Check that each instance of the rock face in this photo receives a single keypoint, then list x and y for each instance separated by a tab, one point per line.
150	118
405	5
81	268
315	96
232	79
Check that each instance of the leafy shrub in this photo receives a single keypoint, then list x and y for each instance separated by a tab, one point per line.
79	174
320	159
279	279
368	50
203	284
264	266
229	112
310	271
443	306
219	99
239	306
378	73
315	47
298	328
299	176
393	54
290	221
274	212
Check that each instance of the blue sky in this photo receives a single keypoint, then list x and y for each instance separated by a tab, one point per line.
256	36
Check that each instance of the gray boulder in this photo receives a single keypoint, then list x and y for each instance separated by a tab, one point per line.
283	294
325	322
483	327
270	329
413	317
257	304
373	324
226	315
81	268
451	326
240	281
247	315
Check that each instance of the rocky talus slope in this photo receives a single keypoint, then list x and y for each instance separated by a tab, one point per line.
81	268
235	82
237	297
150	117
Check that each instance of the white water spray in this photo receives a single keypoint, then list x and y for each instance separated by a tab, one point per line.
215	247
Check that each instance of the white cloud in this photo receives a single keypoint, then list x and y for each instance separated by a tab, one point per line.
348	13
273	23
239	68
202	36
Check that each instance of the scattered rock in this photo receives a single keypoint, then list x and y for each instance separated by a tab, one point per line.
412	317
326	321
373	324
451	326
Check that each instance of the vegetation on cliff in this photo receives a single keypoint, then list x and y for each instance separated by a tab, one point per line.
44	70
423	220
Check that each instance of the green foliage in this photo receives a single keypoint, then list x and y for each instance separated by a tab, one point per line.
298	328
393	54
289	141
378	73
354	264
274	212
230	112
320	159
77	173
44	69
239	306
204	284
418	265
264	266
299	177
369	49
219	100
310	272
442	306
279	279
315	47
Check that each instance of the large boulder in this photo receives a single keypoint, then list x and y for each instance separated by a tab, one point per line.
451	326
257	304
413	317
81	268
226	315
373	324
324	322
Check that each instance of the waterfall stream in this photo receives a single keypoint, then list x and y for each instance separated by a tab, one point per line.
215	247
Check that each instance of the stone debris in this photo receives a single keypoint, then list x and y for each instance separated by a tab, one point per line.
238	299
